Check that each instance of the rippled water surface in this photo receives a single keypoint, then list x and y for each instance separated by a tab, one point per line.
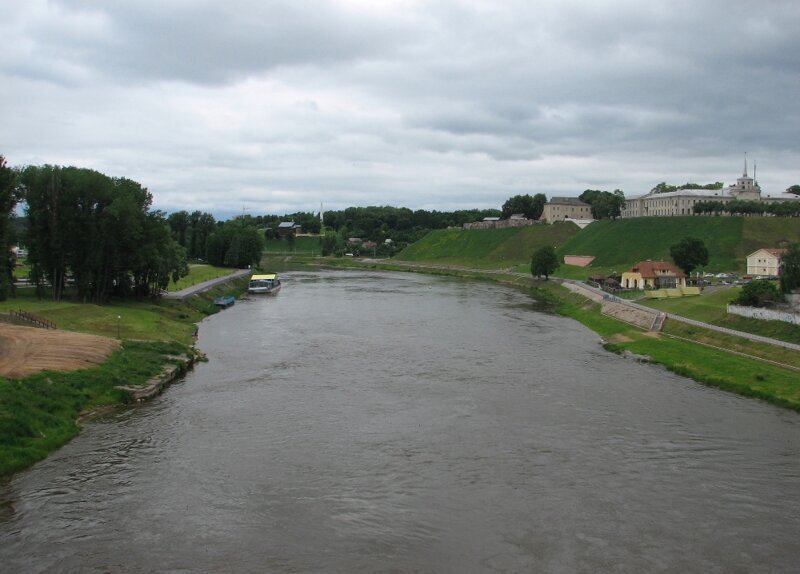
368	422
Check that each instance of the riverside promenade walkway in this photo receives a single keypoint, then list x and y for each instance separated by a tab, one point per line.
184	294
593	293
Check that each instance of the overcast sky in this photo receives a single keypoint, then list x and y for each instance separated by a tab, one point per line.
278	106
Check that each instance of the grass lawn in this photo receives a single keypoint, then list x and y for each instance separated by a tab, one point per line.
197	274
305	245
709	307
163	321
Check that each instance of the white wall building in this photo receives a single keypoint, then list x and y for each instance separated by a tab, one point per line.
682	201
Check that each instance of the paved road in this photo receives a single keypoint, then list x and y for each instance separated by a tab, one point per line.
184	294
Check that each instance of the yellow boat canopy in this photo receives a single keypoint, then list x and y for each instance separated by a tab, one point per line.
268	277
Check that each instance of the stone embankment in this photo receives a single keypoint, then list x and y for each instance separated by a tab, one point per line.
638	315
169	374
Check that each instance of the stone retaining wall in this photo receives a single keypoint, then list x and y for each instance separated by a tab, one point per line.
765	314
155	386
502	224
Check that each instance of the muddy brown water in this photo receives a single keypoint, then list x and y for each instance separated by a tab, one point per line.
393	422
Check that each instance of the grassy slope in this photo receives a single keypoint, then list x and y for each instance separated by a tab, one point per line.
486	248
626	241
616	244
729	240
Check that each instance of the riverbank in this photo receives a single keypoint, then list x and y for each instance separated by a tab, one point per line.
154	347
723	361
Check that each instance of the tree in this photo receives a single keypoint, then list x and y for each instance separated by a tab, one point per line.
530	207
235	245
689	253
759	293
790	268
605	204
8	200
544	262
795	189
99	231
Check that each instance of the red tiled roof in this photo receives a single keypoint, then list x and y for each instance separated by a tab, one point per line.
648	269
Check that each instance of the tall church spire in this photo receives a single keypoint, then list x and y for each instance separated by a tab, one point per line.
745	164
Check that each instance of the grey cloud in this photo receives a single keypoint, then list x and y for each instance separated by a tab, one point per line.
207	42
452	103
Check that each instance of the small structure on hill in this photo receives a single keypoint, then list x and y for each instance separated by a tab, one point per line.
288	228
561	208
765	262
653	275
578	260
582	223
607	283
516	220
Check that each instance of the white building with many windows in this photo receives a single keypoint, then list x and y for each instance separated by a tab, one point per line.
682	201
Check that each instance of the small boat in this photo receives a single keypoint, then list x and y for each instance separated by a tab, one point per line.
268	283
225	301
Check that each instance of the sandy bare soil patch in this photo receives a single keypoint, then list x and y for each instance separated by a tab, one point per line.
28	350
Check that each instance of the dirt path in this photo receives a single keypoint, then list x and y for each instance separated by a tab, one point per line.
28	350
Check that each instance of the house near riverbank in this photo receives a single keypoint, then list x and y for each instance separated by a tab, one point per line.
765	262
653	275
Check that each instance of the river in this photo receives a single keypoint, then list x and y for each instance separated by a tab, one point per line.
395	422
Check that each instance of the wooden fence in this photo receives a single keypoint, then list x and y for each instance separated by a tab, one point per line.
33	319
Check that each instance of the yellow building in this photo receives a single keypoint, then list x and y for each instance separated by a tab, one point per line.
653	274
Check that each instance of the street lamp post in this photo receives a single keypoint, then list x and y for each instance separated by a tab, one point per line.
119	318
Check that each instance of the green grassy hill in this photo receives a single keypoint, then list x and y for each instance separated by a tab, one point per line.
615	244
729	239
486	248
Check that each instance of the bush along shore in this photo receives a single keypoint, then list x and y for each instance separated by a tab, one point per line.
722	361
41	412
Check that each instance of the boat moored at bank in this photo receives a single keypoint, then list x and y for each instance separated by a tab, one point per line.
264	284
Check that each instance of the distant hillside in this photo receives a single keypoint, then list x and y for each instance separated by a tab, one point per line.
729	239
614	243
489	248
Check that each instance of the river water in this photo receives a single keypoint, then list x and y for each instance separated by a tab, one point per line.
393	422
